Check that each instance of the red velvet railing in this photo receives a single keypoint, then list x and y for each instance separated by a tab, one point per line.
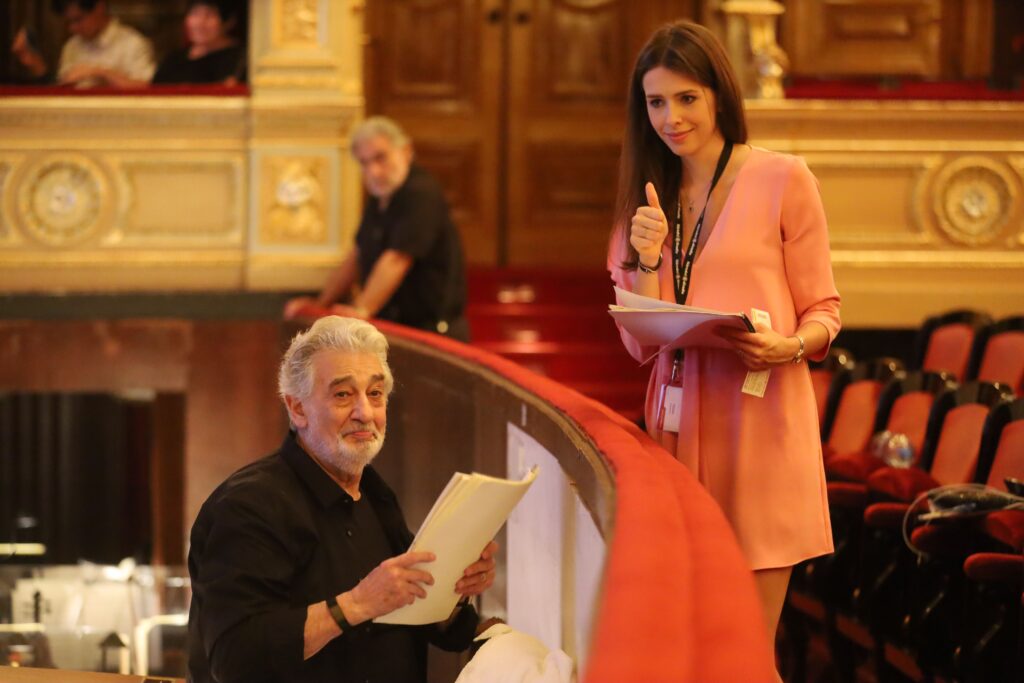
678	602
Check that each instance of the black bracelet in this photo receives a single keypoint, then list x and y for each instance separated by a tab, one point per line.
339	617
649	270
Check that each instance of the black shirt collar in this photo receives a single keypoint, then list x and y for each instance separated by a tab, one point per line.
325	490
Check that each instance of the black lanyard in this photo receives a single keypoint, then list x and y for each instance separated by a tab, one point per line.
682	267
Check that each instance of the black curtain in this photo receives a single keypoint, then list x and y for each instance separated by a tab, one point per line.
74	475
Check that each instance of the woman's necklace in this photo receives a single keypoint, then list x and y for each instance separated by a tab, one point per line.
691	202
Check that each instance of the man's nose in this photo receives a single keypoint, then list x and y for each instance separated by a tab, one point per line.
362	409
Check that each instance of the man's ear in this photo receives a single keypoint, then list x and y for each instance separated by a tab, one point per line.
296	411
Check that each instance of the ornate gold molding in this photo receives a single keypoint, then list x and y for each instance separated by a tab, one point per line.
63	200
974	198
960	259
123	258
750	34
296	22
293	200
5	230
73	117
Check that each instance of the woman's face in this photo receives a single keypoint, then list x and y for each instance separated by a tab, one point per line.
204	25
681	110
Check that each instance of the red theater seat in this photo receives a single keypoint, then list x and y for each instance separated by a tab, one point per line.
944	342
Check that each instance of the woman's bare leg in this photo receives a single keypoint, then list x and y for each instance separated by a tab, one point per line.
772	585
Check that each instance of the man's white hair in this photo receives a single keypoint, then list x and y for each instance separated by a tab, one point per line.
295	376
379	125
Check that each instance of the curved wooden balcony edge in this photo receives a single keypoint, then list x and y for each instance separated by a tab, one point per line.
678	601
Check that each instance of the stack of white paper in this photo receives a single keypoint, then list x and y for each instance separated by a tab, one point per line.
464	519
654	322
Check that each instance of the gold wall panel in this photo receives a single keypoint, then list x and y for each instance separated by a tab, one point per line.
155	193
867	197
184	199
924	201
864	37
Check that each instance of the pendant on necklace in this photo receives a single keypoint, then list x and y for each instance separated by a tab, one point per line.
689	205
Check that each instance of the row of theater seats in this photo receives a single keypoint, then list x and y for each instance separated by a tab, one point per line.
906	596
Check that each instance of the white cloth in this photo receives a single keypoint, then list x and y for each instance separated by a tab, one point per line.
511	656
118	47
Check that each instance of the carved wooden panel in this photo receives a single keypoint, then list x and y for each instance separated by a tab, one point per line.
581	52
522	75
569	62
567	204
571	180
864	37
435	67
428	50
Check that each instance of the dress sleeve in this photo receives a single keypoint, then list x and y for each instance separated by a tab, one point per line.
806	253
249	626
624	279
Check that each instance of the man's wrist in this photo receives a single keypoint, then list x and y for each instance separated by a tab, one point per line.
338	615
354	614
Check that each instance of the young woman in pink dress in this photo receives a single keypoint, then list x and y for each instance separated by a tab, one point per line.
762	244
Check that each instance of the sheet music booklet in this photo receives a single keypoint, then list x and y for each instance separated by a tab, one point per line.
465	518
668	326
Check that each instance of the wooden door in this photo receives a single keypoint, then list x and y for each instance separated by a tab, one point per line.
569	64
435	66
517	105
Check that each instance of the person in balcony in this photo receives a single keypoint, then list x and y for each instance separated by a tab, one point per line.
705	219
294	555
101	52
408	256
213	55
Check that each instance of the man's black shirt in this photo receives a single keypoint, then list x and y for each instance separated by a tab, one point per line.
277	536
417	222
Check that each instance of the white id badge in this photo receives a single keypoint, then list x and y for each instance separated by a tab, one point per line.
756	382
671	407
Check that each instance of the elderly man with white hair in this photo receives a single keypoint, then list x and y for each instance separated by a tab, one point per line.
294	555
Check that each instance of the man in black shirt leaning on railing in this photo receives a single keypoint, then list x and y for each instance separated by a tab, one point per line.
294	555
407	258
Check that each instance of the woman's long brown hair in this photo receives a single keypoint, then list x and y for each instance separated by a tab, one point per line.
693	51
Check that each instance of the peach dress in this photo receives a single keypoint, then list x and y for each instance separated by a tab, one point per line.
760	458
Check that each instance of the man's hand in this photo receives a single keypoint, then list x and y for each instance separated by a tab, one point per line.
479	576
80	73
25	54
392	584
293	308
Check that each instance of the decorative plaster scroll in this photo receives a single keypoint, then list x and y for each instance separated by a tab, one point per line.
974	198
297	22
293	195
62	198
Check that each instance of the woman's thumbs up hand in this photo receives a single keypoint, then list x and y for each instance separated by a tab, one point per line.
649	229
